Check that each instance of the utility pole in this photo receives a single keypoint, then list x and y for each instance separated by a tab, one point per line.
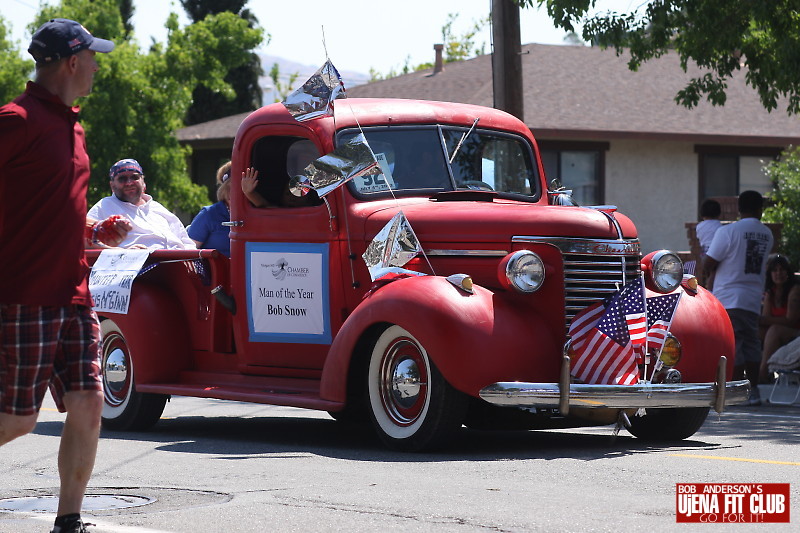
506	58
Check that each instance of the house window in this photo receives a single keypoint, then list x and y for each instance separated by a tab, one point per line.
729	170
578	166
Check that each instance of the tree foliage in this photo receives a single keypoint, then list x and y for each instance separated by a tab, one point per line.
14	70
785	198
722	37
126	11
140	99
375	75
282	90
247	95
457	47
197	10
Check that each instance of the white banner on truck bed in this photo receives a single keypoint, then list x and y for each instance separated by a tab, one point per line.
287	299
111	278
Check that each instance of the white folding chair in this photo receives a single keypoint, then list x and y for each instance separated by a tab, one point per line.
786	389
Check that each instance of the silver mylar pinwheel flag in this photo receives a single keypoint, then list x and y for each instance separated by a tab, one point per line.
315	98
336	168
393	246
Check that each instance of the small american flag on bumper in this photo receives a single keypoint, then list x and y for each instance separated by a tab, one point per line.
607	335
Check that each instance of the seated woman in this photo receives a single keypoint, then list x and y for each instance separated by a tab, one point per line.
282	157
206	229
780	316
273	194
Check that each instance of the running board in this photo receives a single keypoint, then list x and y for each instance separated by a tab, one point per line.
251	394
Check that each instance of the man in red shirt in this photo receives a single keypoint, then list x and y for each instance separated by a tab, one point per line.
49	334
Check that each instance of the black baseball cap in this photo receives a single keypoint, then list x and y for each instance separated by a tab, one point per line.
59	38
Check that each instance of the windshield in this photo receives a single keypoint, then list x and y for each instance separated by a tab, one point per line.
427	159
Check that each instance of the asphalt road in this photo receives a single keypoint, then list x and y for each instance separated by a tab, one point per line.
213	466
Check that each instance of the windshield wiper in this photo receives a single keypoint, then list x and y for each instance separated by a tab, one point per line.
463	138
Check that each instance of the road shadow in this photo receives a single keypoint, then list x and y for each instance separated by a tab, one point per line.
765	423
235	438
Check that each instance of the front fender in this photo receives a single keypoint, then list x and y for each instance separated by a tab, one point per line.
156	334
473	339
704	330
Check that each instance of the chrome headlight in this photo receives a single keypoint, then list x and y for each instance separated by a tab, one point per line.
666	271
524	271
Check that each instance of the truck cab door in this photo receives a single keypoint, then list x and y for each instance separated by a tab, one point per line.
284	263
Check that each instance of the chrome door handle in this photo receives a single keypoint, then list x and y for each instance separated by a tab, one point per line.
234	223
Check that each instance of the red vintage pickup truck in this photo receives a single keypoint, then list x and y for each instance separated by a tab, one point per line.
293	317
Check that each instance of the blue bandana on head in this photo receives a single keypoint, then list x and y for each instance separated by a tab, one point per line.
124	165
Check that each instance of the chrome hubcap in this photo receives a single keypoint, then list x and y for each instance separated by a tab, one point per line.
116	378
404	384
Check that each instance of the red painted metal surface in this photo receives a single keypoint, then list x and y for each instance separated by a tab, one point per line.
185	342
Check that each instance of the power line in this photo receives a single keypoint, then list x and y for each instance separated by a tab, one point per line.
26	4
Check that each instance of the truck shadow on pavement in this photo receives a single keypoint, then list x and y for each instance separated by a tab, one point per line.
241	438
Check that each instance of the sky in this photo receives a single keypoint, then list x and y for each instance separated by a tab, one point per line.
359	34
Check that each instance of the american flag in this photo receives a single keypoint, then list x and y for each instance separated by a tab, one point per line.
660	312
602	339
634	306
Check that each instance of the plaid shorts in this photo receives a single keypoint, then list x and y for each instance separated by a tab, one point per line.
46	345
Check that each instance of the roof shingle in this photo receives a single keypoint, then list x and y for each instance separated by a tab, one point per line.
588	92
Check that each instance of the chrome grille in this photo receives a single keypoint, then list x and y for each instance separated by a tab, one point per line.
590	278
593	268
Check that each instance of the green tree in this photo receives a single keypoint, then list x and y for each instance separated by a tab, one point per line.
573	39
140	99
126	11
282	90
374	75
247	95
14	70
457	47
785	198
722	37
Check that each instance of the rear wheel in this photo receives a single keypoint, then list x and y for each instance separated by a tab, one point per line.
668	424
124	409
411	405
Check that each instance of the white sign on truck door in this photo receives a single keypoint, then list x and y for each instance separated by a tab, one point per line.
287	298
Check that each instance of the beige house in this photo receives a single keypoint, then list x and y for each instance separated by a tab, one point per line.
612	135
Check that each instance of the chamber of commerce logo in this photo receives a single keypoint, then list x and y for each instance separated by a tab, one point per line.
732	502
279	268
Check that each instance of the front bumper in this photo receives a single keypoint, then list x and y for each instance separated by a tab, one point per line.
564	395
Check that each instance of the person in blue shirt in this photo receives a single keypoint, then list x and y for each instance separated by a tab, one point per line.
206	230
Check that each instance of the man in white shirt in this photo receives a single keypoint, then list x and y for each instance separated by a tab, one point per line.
154	226
738	257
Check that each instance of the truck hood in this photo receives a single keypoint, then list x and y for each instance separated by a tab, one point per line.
490	222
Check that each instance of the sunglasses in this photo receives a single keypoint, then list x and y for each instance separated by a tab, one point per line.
126	179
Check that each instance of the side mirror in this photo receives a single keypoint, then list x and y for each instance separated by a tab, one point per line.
563	197
558	195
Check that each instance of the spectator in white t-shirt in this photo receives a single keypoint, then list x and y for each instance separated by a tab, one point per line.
154	226
738	257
